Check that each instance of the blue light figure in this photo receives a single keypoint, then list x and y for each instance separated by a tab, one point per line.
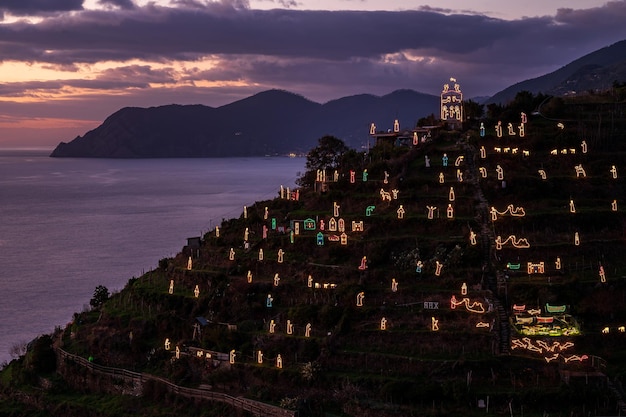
444	160
268	301
320	239
482	130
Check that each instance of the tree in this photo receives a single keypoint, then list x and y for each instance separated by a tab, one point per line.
327	154
100	295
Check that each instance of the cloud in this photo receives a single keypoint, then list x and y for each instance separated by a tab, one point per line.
39	7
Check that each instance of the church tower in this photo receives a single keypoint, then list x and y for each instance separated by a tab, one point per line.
452	105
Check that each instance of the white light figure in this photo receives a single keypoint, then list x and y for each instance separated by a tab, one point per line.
245	235
400	212
557	263
288	194
583	145
372	129
276	279
307	330
438	268
245	213
279	361
196	291
383	324
363	265
359	299
335	209
309	281
189	264
231	254
282	192
384	195
441	178
272	327
280	256
464	289
483	152
572	207
260	254
500	172
289	327
576	239
521	129
434	324
613	171
560	126
249	277
580	171
431	210
451	194
614	205
259	357
231	357
386	180
336	176
450	211
511	130
499	129
602	274
542	173
396	126
394	285
177	352
171	290
523	117
168	344
483	172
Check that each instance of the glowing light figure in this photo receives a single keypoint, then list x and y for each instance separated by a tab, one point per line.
289	327
279	361
177	352
560	125
450	211
272	327
396	126
332	224
613	171
322	224
483	172
245	213
576	239
543	175
269	300
438	268
580	171
464	289
363	265
475	307
416	140
307	330
482	130
273	223
444	160
309	281
281	254
602	274
261	254
357	226
196	291
352	176
320	239
276	279
606	330
394	285
384	195
510	210
341	225
500	172
499	129
614	205
427	161
372	129
459	160
482	324
364	175
264	232
431	210
498	149
621	329
483	152
336	209
386	180
171	289
359	299
583	146
523	117
259	357
383	324
441	178
400	212
525	152
282	192
168	344
521	243
535	268
189	264
336	176
511	130
418	267
369	210
343	239
249	277
557	263
231	254
522	131
459	175
434	324
231	357
395	193
472	238
217	231
572	207
246	235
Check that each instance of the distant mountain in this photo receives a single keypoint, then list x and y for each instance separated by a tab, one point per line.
594	71
268	123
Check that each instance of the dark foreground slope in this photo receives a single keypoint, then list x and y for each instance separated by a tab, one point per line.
493	283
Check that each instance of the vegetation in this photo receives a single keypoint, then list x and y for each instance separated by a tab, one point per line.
434	333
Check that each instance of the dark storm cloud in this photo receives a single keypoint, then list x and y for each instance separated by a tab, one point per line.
37	7
122	4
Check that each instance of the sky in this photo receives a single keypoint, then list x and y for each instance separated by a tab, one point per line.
66	65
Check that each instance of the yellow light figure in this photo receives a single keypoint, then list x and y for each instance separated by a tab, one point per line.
259	357
441	178
171	289
621	329
272	327
602	274
396	126
606	330
438	268
499	129
459	175
249	277
266	213
260	254
245	213
196	291
543	175
483	172
464	289
279	361
289	327
245	235
282	192
614	205
335	209
576	239
189	264
307	330
363	265
483	152
431	210
372	129
472	238
276	279
500	172
231	254
451	195
168	344
177	352
613	171
309	281
395	192
383	324
400	212
450	211
459	160
510	129
386	180
231	356
217	231
280	256
580	171
557	263
572	207
434	324
394	285
583	146
522	132
359	299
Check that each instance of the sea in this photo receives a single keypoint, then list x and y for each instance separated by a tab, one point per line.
68	225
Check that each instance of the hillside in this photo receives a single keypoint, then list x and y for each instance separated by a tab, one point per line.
476	273
268	123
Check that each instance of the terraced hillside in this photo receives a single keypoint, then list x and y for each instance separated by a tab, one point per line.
479	272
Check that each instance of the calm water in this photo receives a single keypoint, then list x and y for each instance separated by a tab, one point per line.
68	225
